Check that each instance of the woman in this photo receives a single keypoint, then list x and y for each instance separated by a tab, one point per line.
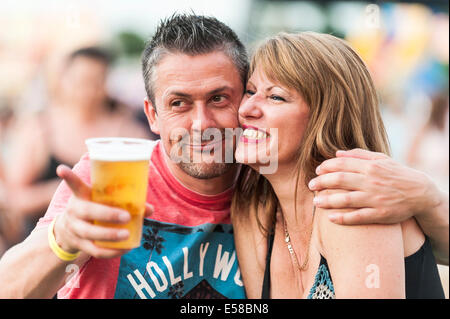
309	95
429	150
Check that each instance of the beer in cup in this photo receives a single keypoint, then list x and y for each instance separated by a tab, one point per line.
119	178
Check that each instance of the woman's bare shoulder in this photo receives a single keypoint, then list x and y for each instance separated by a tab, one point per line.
128	124
351	251
27	142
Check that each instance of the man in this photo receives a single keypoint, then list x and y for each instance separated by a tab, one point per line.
194	70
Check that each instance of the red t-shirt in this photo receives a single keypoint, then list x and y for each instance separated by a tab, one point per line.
187	248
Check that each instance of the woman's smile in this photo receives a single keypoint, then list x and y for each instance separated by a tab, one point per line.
253	134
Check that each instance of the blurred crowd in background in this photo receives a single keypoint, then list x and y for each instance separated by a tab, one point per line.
71	70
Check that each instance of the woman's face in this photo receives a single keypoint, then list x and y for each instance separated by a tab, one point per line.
273	119
83	83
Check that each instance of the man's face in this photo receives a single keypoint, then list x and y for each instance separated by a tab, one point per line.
194	94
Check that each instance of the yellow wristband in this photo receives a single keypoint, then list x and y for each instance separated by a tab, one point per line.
59	252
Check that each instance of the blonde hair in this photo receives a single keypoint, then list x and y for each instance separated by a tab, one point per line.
343	108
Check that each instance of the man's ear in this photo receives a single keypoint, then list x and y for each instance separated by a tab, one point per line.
150	112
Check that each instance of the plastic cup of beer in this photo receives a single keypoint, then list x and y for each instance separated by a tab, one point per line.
119	178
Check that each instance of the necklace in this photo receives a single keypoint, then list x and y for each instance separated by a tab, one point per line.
287	239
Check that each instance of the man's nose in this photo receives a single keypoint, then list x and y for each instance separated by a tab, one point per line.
202	119
251	107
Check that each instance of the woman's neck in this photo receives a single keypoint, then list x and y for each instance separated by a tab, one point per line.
284	184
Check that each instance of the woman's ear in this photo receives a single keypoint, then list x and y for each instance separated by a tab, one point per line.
150	112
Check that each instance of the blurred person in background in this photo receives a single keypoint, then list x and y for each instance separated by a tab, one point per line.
429	149
6	115
429	153
78	109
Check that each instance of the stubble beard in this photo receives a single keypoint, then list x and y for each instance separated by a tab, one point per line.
208	166
206	170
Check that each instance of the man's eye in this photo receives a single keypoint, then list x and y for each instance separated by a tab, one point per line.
277	98
218	98
177	103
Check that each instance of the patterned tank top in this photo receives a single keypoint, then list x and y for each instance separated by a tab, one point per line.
322	287
421	276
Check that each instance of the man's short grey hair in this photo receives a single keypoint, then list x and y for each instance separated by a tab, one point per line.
192	35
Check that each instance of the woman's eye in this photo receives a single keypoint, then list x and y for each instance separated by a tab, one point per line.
249	92
277	98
